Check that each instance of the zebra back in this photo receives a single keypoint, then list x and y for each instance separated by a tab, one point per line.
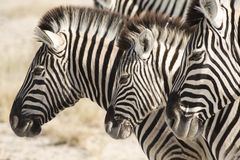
173	8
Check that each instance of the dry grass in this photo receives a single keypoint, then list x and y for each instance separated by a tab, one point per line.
76	124
5	102
12	76
4	155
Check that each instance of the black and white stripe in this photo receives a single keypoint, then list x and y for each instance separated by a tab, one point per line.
154	47
222	132
79	58
144	84
208	80
173	8
209	75
139	77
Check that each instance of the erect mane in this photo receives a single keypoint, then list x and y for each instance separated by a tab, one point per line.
194	15
64	18
160	25
161	22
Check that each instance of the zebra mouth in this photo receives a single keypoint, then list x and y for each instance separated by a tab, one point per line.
184	126
25	127
119	128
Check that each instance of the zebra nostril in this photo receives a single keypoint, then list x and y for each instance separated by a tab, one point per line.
171	123
28	125
108	127
119	128
110	115
14	122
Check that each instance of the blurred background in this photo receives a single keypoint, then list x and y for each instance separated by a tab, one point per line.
78	132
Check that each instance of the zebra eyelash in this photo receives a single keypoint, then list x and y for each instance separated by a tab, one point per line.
196	55
124	78
38	70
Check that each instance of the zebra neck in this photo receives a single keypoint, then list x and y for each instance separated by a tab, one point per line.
169	57
98	61
222	130
153	127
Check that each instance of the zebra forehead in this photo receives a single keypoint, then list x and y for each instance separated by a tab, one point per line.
62	18
159	25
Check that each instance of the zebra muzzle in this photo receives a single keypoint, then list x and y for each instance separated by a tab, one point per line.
118	130
184	126
14	122
25	127
117	127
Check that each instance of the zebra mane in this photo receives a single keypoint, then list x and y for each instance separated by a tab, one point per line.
194	15
162	26
85	19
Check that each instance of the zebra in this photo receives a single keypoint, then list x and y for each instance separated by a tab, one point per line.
154	47
63	70
78	58
209	75
147	72
173	8
126	8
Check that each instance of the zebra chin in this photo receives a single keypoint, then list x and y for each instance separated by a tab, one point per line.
184	127
116	126
25	127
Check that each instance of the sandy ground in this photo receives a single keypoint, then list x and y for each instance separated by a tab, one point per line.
42	148
17	47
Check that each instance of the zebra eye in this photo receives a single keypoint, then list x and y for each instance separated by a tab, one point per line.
196	55
38	70
124	79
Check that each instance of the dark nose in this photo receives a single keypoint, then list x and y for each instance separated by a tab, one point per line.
15	113
173	102
23	126
110	114
116	126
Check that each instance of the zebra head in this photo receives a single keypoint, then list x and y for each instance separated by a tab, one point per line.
48	87
146	71
209	76
132	77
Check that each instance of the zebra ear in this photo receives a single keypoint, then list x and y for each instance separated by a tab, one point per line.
56	41
105	4
212	11
144	44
